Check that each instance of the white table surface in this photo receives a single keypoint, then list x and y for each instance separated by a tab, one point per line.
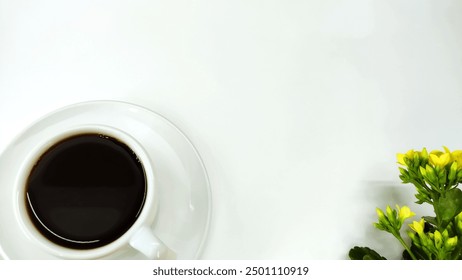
296	107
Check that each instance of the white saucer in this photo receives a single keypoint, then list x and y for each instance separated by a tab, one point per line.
183	186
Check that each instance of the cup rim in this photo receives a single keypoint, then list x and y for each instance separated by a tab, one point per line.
145	218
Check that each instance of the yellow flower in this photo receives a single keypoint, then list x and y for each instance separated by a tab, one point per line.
401	157
418	226
436	152
440	160
412	155
404	213
446	150
457	157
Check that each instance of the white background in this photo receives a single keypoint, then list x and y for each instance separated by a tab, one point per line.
297	107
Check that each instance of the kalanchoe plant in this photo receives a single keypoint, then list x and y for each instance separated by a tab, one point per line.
436	176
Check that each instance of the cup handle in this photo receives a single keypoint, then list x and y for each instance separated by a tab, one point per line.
149	245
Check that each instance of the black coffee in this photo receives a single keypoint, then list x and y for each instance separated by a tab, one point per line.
86	191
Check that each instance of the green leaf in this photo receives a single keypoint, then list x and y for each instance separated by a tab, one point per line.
448	206
431	220
364	253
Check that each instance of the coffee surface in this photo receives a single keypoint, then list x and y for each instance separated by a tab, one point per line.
86	191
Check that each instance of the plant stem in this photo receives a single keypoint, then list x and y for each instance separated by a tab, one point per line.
400	239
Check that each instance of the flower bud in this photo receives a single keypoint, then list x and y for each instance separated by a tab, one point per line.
431	174
423	171
445	234
383	223
424	154
450	243
438	239
391	216
413	237
458	217
459	175
380	214
453	171
403	171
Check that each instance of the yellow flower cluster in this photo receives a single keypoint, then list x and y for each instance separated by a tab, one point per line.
437	245
436	158
391	220
436	176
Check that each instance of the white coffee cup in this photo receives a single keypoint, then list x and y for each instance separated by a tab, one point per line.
139	236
